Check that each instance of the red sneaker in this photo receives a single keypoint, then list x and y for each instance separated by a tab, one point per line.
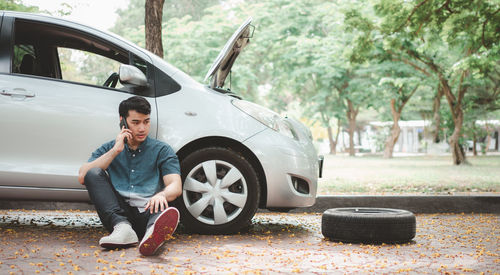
160	231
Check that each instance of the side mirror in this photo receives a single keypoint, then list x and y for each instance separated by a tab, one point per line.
132	75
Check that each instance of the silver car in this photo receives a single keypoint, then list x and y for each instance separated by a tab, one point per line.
60	86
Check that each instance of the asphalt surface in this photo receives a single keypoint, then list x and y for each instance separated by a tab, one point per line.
65	242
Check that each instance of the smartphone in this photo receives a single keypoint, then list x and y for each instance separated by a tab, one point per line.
123	123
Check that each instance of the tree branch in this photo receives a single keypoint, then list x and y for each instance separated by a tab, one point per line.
484	26
446	3
407	99
415	66
461	90
393	107
411	14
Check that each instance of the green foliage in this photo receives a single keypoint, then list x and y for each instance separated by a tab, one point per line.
16	5
132	16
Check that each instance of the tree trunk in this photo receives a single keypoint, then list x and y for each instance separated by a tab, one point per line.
351	117
456	149
333	142
395	131
437	116
487	144
488	138
458	118
457	114
496	140
351	130
153	19
474	143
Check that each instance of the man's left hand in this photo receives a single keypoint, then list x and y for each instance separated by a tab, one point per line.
157	203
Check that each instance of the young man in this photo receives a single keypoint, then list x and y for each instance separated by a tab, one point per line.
131	179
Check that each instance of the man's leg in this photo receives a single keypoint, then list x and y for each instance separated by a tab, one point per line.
160	227
111	208
108	203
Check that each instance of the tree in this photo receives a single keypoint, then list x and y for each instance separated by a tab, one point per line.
399	86
443	39
483	101
324	74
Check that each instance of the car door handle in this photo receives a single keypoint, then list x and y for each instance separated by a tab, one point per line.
17	92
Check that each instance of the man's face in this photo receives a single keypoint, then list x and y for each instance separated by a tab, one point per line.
139	124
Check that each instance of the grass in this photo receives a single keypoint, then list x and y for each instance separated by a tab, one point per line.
409	175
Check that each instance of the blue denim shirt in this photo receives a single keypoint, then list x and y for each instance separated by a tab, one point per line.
138	175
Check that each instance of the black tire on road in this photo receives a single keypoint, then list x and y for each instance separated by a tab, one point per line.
368	225
211	188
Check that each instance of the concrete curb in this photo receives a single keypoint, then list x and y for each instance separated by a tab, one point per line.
46	205
415	204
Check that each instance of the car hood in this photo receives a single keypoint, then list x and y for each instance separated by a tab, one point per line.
224	61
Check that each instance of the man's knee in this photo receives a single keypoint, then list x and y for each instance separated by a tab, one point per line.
94	175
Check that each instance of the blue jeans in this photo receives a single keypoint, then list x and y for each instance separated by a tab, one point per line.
112	207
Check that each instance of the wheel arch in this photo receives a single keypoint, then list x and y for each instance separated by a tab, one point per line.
234	145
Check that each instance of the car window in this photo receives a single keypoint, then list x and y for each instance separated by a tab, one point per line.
86	67
140	64
59	52
20	51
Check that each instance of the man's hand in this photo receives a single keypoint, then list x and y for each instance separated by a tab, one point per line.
157	203
104	160
119	142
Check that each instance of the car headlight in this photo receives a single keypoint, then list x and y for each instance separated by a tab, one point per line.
266	117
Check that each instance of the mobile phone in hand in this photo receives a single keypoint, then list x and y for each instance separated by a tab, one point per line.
123	123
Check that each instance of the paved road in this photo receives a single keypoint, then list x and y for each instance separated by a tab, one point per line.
65	242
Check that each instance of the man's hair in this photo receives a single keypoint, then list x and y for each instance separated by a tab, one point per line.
136	103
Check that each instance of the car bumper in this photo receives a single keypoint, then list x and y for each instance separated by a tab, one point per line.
291	169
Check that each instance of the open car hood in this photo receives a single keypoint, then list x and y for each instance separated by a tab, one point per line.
224	61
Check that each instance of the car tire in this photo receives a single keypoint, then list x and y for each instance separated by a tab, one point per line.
220	192
368	225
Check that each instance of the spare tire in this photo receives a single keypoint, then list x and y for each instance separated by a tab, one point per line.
368	225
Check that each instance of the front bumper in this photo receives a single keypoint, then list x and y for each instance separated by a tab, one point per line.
290	167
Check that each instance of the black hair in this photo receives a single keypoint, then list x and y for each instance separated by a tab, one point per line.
136	103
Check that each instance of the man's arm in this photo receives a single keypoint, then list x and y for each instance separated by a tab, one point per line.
172	190
105	160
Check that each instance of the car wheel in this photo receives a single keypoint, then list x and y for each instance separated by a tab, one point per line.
368	225
220	191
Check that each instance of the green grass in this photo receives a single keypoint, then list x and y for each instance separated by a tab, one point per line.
408	175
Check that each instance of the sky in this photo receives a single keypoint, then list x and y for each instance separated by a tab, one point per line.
96	13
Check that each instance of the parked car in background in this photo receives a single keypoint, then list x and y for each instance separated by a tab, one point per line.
60	86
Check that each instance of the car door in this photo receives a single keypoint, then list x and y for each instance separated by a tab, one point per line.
54	110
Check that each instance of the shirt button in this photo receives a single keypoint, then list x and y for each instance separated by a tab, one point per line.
139	150
133	155
133	170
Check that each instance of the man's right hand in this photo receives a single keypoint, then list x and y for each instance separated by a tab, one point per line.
119	142
104	160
